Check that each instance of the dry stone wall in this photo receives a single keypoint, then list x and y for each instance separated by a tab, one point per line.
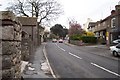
10	46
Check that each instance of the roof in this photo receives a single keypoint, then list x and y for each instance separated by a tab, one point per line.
28	21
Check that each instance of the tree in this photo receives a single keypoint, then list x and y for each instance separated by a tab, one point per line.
44	10
65	32
58	30
75	29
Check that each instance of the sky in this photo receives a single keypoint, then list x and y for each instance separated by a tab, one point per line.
80	10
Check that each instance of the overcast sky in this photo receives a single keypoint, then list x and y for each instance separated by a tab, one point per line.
83	9
80	10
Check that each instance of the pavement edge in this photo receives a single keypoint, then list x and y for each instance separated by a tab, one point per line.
45	54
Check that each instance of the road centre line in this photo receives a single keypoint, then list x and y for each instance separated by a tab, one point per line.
105	69
75	55
70	53
61	48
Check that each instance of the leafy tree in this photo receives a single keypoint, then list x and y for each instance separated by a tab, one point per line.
75	29
58	30
44	10
65	31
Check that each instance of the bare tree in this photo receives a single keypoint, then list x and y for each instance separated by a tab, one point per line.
44	10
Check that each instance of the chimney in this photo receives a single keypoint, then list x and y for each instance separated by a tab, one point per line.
117	7
113	12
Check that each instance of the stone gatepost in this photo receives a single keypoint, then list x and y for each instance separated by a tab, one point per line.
11	46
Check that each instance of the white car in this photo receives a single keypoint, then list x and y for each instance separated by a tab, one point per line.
115	50
60	41
116	41
54	40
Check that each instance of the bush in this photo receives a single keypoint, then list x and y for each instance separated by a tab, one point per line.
75	37
89	39
85	39
101	41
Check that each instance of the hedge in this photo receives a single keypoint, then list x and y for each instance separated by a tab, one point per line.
75	37
89	39
85	39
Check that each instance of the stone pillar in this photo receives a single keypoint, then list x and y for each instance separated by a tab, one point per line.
11	46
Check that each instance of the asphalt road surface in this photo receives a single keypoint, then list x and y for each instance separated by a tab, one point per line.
70	62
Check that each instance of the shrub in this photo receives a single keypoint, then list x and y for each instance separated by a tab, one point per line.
90	34
75	37
89	39
85	39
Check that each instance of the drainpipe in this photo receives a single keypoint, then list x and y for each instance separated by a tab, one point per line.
32	26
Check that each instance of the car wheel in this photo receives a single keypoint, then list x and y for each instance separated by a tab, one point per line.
115	54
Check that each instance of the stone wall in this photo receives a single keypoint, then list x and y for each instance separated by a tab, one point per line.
29	36
25	46
11	46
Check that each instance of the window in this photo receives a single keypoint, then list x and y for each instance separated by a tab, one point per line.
112	22
98	25
104	23
118	46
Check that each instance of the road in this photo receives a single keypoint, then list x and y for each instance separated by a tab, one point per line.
73	62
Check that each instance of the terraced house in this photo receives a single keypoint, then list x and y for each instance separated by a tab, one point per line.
115	24
108	29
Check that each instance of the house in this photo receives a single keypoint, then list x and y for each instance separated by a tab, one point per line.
108	29
85	26
91	26
102	28
115	23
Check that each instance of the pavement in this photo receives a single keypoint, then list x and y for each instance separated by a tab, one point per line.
37	66
101	50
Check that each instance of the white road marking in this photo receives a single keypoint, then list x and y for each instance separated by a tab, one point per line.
105	69
75	55
60	48
69	52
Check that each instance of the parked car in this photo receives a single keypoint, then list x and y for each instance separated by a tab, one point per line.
60	41
116	41
115	50
54	40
